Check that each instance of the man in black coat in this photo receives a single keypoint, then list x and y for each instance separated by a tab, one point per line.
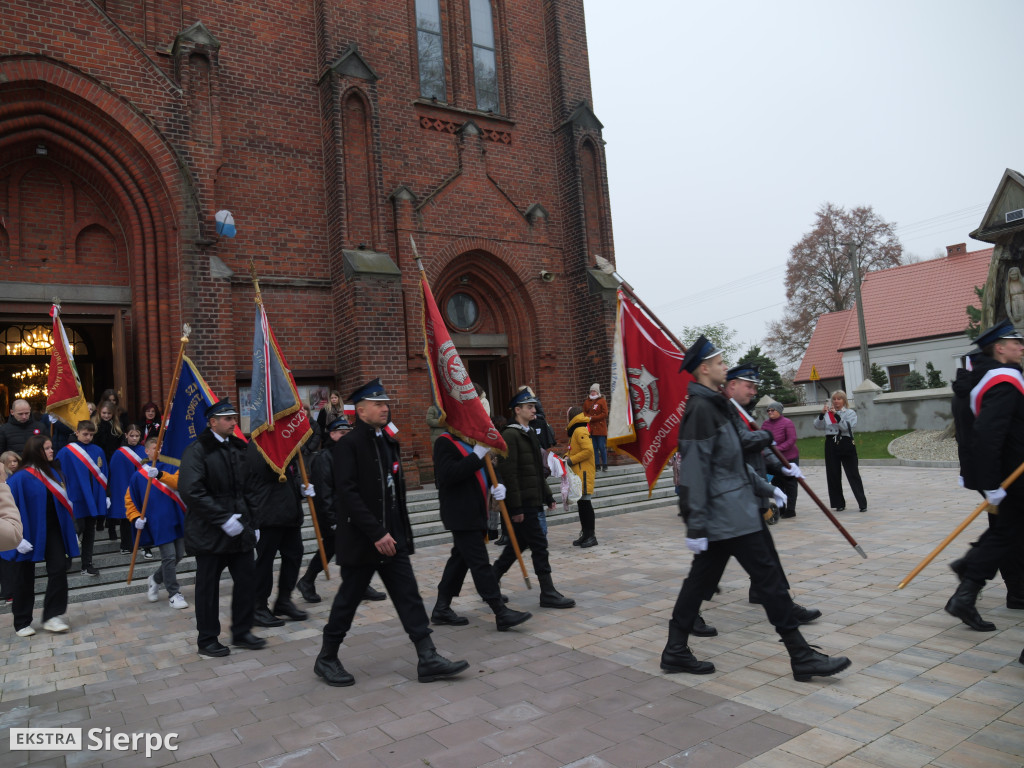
462	492
526	496
219	529
20	427
277	508
374	536
996	440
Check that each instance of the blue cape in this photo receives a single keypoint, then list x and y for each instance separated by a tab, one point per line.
87	495
165	521
30	495
121	471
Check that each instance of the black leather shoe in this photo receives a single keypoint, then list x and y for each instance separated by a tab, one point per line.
373	594
702	629
501	541
840	509
308	591
264	618
962	606
805	615
250	641
214	649
289	609
862	509
445	615
333	673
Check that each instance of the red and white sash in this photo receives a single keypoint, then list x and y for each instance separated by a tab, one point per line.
55	488
992	378
86	459
165	489
744	415
131	455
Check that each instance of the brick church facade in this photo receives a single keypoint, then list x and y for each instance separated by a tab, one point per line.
333	131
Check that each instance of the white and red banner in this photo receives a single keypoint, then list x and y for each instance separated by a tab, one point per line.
648	393
64	397
453	391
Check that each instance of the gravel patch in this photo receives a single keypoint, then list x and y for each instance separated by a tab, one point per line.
924	445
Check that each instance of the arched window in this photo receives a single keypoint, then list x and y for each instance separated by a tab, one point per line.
431	49
485	59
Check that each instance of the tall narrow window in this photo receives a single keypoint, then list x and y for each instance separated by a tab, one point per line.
428	38
485	61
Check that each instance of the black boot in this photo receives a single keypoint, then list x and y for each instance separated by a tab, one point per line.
329	668
587	540
432	665
805	615
961	605
576	542
285	607
551	597
677	657
443	613
702	629
807	662
505	617
262	617
374	594
307	590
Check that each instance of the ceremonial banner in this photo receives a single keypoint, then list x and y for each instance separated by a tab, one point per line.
648	393
278	422
64	398
452	389
187	416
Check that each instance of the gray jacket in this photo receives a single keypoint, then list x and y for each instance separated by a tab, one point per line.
718	491
847	421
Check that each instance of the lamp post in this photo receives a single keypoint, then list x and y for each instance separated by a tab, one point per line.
852	251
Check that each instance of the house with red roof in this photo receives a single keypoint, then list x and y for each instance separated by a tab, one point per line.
914	314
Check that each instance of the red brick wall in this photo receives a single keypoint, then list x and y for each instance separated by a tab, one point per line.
257	122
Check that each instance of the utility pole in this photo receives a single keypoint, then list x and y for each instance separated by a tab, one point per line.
852	253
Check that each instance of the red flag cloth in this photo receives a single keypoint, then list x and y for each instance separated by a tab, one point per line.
64	397
656	391
278	422
453	391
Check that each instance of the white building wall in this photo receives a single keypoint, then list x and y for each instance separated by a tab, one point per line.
943	353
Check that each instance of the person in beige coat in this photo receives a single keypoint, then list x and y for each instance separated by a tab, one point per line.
10	518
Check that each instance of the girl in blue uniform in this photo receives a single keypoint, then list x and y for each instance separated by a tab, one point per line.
125	462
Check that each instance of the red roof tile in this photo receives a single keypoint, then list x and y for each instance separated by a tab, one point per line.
919	301
823	349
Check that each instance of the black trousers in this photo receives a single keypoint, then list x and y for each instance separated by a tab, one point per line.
87	527
287	541
585	508
207	595
399	581
770	543
845	459
999	547
789	486
469	555
529	535
315	567
752	551
55	601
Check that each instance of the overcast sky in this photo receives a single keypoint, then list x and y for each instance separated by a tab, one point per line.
729	124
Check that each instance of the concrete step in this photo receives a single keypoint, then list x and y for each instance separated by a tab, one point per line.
620	490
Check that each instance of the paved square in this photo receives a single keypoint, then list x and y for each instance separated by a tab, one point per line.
579	687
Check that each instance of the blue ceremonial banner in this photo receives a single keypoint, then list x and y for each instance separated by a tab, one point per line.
186	418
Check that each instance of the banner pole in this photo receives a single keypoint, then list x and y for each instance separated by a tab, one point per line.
165	417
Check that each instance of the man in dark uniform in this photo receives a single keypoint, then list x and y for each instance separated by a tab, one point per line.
322	477
219	529
996	450
374	536
462	491
718	500
526	496
277	508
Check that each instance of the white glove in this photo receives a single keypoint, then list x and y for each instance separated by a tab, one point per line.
25	546
308	490
152	472
697	545
233	526
481	450
960	481
257	535
994	497
498	492
140	523
792	471
53	419
108	502
780	498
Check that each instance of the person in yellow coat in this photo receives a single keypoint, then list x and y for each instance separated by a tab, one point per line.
581	458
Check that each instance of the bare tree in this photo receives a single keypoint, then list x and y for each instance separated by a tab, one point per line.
819	276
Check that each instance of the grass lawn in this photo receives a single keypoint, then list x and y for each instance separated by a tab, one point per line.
870	445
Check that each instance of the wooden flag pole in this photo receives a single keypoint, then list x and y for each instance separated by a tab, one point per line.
302	463
959	529
185	331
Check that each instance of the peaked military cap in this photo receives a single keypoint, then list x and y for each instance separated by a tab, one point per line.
341	423
702	349
222	408
372	390
1003	330
522	398
744	372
